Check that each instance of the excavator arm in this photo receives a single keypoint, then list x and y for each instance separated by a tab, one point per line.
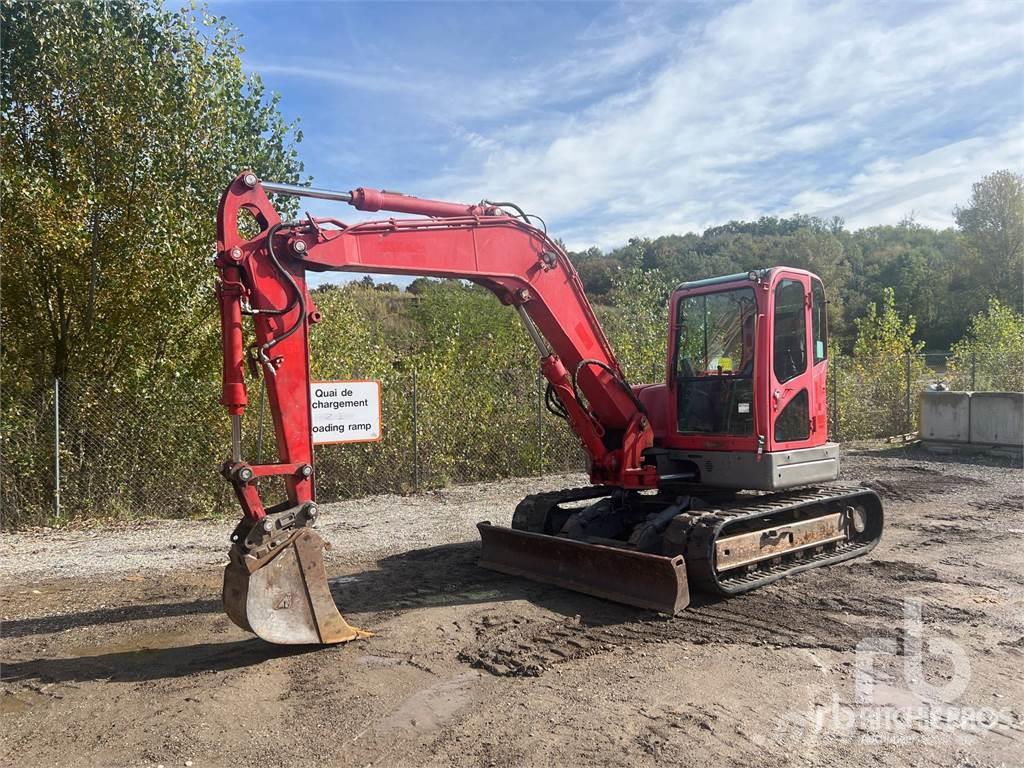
265	276
276	585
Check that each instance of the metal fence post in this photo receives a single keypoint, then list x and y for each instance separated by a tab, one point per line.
974	370
415	436
56	447
910	422
540	425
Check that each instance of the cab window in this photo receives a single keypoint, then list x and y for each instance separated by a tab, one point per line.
716	334
715	363
819	321
790	338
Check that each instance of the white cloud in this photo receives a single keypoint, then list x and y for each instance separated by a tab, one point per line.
397	82
768	107
559	77
926	186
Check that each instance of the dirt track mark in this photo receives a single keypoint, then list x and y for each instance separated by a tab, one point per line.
805	612
921	484
1012	504
899	570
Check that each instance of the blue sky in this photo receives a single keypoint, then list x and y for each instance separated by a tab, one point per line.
615	120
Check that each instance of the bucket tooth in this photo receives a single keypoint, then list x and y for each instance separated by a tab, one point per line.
286	600
640	579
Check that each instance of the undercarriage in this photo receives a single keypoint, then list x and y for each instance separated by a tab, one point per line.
649	549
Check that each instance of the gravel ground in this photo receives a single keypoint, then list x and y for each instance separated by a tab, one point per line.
115	652
369	527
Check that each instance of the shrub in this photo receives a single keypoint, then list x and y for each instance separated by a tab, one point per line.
991	355
873	383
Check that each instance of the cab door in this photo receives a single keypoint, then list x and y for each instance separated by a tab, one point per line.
793	398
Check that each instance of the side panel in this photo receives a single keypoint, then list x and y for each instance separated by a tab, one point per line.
768	472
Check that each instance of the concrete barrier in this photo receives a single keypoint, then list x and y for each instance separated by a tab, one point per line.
945	416
976	420
997	418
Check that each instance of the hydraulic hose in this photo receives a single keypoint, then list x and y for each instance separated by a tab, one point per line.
553	404
621	382
300	298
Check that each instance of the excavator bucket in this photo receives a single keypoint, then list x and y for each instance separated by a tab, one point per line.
624	576
285	599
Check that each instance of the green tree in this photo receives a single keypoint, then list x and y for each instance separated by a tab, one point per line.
923	267
596	271
637	323
991	355
885	358
120	125
992	227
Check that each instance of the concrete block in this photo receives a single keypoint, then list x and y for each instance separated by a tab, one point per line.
945	416
997	418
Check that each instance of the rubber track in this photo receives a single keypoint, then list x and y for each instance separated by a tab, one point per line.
701	530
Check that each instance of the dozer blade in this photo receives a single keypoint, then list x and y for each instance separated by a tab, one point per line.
286	600
621	575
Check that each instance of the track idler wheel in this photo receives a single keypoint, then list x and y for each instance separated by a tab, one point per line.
282	596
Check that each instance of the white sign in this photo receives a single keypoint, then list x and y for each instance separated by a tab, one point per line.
345	411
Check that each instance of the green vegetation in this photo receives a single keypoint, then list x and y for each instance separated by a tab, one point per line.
121	124
991	355
873	383
942	277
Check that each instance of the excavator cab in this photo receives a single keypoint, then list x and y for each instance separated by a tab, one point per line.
744	404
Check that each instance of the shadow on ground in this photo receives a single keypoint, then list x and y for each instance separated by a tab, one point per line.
60	622
142	664
917	452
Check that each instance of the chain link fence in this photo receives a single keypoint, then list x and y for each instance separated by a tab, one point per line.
80	449
878	397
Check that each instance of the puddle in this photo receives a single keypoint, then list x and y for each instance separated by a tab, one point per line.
15	704
134	643
432	707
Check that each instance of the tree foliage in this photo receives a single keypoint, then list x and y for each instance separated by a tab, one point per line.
991	355
121	125
883	374
637	322
992	230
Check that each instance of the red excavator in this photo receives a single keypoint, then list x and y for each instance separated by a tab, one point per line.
721	477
